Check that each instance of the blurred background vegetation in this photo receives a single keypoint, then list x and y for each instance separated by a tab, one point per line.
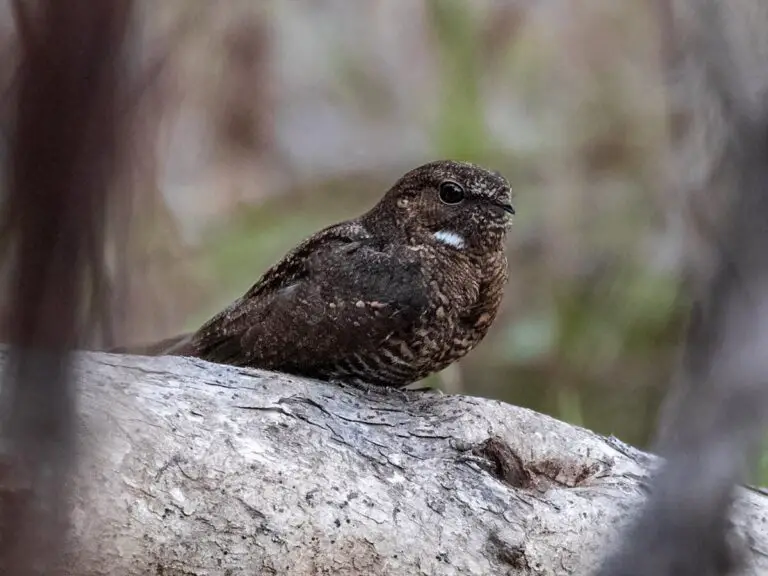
269	120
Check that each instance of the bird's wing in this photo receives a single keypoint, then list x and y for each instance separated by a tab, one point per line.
235	319
293	266
352	300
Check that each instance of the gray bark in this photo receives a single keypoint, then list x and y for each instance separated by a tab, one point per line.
187	467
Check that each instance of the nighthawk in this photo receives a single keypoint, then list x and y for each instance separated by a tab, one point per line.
385	299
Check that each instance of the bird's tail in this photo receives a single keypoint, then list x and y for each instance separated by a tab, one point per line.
179	345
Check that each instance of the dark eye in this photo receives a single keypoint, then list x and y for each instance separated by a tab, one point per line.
451	193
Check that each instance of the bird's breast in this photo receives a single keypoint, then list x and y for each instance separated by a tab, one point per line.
466	294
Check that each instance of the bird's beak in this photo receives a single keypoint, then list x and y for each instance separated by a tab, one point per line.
508	208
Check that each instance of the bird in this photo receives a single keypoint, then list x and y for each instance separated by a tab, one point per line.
385	299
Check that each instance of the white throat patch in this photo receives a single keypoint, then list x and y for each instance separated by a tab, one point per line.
449	238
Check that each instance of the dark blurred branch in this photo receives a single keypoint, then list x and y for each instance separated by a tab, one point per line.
64	144
713	425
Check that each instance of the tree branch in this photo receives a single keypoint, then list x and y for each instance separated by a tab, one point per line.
195	468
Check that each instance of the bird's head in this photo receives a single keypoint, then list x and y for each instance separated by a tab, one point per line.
456	204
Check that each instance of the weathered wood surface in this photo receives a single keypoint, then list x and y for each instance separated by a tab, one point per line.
192	468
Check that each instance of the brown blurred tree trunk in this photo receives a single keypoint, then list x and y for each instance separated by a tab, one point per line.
64	126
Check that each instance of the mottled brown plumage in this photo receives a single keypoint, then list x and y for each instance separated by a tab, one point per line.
388	298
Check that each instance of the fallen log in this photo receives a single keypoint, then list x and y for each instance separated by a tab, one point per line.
187	467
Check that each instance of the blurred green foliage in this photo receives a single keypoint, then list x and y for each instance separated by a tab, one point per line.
459	130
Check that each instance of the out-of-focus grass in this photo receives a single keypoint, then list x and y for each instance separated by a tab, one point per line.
459	130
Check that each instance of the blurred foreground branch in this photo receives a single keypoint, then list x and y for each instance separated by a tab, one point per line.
714	419
64	121
195	468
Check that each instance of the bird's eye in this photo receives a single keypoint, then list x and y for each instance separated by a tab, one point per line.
451	193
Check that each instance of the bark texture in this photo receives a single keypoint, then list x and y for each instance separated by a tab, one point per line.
192	468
